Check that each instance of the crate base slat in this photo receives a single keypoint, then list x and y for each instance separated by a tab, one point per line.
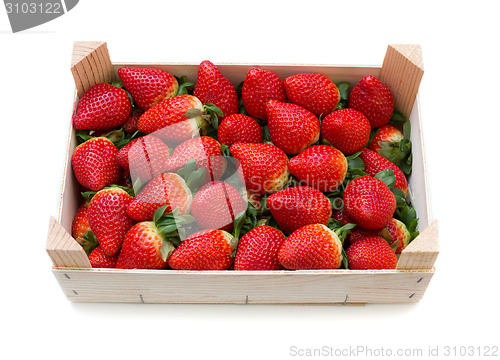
231	287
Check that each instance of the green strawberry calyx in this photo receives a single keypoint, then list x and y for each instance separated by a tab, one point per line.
170	226
404	211
399	152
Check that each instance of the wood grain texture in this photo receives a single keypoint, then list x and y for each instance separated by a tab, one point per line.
90	65
402	71
243	287
422	252
63	249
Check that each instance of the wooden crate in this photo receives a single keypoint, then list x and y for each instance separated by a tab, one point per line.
402	71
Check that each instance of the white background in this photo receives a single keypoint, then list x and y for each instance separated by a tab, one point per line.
459	98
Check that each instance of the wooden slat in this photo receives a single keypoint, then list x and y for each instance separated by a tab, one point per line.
243	287
90	64
63	249
402	72
422	251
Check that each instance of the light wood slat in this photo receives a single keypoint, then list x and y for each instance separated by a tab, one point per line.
90	64
402	71
243	287
63	249
422	252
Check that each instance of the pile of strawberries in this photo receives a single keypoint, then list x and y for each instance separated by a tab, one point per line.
274	174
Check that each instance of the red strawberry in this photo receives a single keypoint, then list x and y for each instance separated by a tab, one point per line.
80	222
107	214
263	167
297	206
374	162
322	167
144	247
99	259
397	234
292	128
168	121
130	126
313	246
205	250
213	88
258	249
340	215
369	202
259	87
102	107
144	157
385	133
165	189
347	129
95	163
148	86
371	253
373	99
315	92
360	233
216	205
239	128
207	153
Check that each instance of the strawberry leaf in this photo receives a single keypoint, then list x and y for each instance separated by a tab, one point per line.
345	261
238	223
185	87
388	177
196	179
187	169
397	117
214	113
88	241
344	95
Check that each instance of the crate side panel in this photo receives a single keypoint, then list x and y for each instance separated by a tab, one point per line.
242	288
236	72
418	184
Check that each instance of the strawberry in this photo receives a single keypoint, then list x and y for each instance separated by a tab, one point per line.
258	249
259	87
216	205
148	86
99	259
107	214
298	206
397	234
130	125
263	167
369	202
315	92
171	121
205	250
102	107
144	157
144	247
165	189
373	99
371	253
374	163
313	246
205	150
322	167
385	133
80	223
346	129
213	88
360	233
239	128
255	200
95	163
292	128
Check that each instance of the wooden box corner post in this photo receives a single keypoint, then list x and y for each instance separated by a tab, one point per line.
402	71
422	252
63	249
90	65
